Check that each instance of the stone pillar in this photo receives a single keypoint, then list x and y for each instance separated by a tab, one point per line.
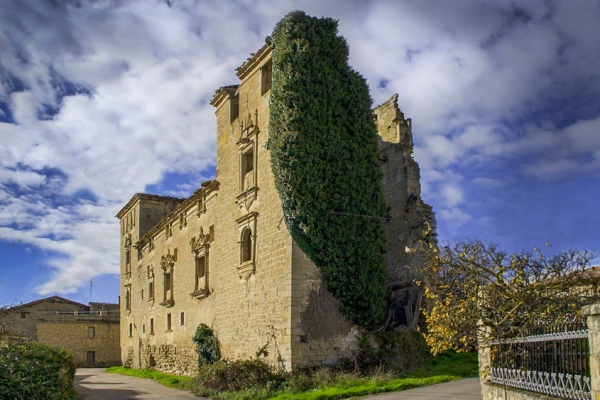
592	312
484	353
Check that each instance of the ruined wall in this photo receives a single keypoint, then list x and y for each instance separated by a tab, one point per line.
411	225
74	335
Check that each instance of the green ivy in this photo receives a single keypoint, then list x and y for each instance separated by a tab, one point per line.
207	345
322	139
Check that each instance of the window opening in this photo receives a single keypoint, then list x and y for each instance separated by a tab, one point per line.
234	110
246	245
200	272
266	77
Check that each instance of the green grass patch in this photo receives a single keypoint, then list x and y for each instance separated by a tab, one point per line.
461	365
446	367
172	381
365	387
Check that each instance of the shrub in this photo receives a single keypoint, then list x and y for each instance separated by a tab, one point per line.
31	371
207	345
230	376
396	351
323	146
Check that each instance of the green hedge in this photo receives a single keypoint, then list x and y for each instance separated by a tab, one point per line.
31	371
322	139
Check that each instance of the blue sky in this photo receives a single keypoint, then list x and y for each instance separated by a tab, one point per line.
100	100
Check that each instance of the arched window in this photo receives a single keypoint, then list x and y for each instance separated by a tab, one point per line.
246	245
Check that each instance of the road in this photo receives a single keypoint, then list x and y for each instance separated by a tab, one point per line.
465	389
95	384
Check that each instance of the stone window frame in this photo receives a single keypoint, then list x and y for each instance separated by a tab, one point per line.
182	318
169	323
247	267
248	143
200	246
234	107
128	298
244	169
91	356
130	331
182	220
151	326
128	245
266	77
91	332
151	284
167	264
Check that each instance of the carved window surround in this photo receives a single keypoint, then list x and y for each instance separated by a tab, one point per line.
127	273
167	264
247	266
200	247
128	299
248	164
151	284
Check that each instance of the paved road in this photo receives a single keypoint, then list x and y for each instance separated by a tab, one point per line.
95	384
465	389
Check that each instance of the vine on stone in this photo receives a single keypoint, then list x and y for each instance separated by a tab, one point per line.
322	140
207	345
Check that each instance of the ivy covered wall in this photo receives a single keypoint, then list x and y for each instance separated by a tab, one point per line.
322	139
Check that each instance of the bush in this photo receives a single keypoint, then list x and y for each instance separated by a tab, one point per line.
207	345
395	351
233	376
31	371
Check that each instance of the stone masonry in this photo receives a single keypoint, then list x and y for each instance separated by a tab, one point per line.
224	257
91	332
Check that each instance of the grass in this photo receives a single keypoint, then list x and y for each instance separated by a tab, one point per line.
443	368
172	381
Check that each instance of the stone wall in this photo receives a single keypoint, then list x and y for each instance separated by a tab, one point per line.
75	335
21	321
165	358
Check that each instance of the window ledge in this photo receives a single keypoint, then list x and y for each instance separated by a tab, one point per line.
245	270
200	294
167	303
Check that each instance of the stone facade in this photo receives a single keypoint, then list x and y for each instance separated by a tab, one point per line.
60	322
94	340
21	321
224	257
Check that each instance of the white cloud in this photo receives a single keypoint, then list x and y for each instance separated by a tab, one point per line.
143	73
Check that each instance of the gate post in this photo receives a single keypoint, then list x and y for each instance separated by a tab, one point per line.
592	312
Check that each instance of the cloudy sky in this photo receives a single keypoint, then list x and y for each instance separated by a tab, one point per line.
103	99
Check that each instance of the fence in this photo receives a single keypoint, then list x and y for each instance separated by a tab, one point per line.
548	359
